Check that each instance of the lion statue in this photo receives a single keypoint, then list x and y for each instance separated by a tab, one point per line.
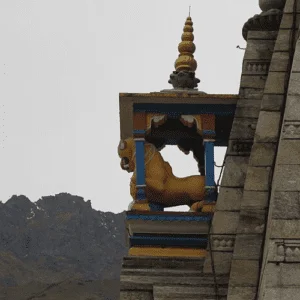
162	186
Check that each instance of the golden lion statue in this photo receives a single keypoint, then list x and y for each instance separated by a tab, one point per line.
162	186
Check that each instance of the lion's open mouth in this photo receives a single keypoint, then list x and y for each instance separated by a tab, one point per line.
125	163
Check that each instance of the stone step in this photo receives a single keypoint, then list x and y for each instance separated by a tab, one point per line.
187	292
169	272
147	262
161	272
136	280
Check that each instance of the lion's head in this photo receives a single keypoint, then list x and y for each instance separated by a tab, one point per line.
126	151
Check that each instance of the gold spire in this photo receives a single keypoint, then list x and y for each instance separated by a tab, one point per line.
185	60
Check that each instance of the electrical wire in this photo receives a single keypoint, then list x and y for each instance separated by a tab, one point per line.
209	235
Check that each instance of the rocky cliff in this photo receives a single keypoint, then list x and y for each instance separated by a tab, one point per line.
57	238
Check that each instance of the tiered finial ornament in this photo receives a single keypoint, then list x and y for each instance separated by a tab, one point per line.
185	64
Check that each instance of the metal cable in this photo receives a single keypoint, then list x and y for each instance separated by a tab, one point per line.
209	237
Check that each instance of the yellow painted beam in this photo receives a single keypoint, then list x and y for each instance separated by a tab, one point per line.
169	252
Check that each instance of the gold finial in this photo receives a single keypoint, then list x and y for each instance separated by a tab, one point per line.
185	60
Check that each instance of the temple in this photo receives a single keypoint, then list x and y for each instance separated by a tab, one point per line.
239	240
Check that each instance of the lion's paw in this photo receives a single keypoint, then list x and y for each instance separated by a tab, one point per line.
197	206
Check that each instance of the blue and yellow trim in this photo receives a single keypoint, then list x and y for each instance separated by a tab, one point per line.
167	252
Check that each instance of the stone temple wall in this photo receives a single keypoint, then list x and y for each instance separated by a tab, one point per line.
257	211
258	206
237	206
280	269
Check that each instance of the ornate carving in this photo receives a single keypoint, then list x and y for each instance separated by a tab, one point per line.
266	21
155	119
225	243
162	187
291	130
256	67
183	80
240	147
287	251
190	120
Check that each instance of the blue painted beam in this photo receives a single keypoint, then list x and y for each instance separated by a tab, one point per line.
204	218
140	168
209	163
168	241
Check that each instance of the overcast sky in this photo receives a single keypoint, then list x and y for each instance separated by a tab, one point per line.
63	65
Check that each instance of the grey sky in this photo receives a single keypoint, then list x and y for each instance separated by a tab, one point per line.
63	64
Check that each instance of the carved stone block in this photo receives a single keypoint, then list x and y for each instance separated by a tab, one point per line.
294	84
275	83
289	152
280	61
272	102
235	171
225	222
253	81
283	40
262	155
283	274
258	50
243	128
244	272
258	178
285	229
280	293
222	242
135	295
292	111
255	200
250	93
287	178
296	60
252	221
222	262
267	129
239	147
241	293
286	205
229	199
255	67
284	250
291	130
248	246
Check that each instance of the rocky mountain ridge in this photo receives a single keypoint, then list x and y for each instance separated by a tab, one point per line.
56	238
